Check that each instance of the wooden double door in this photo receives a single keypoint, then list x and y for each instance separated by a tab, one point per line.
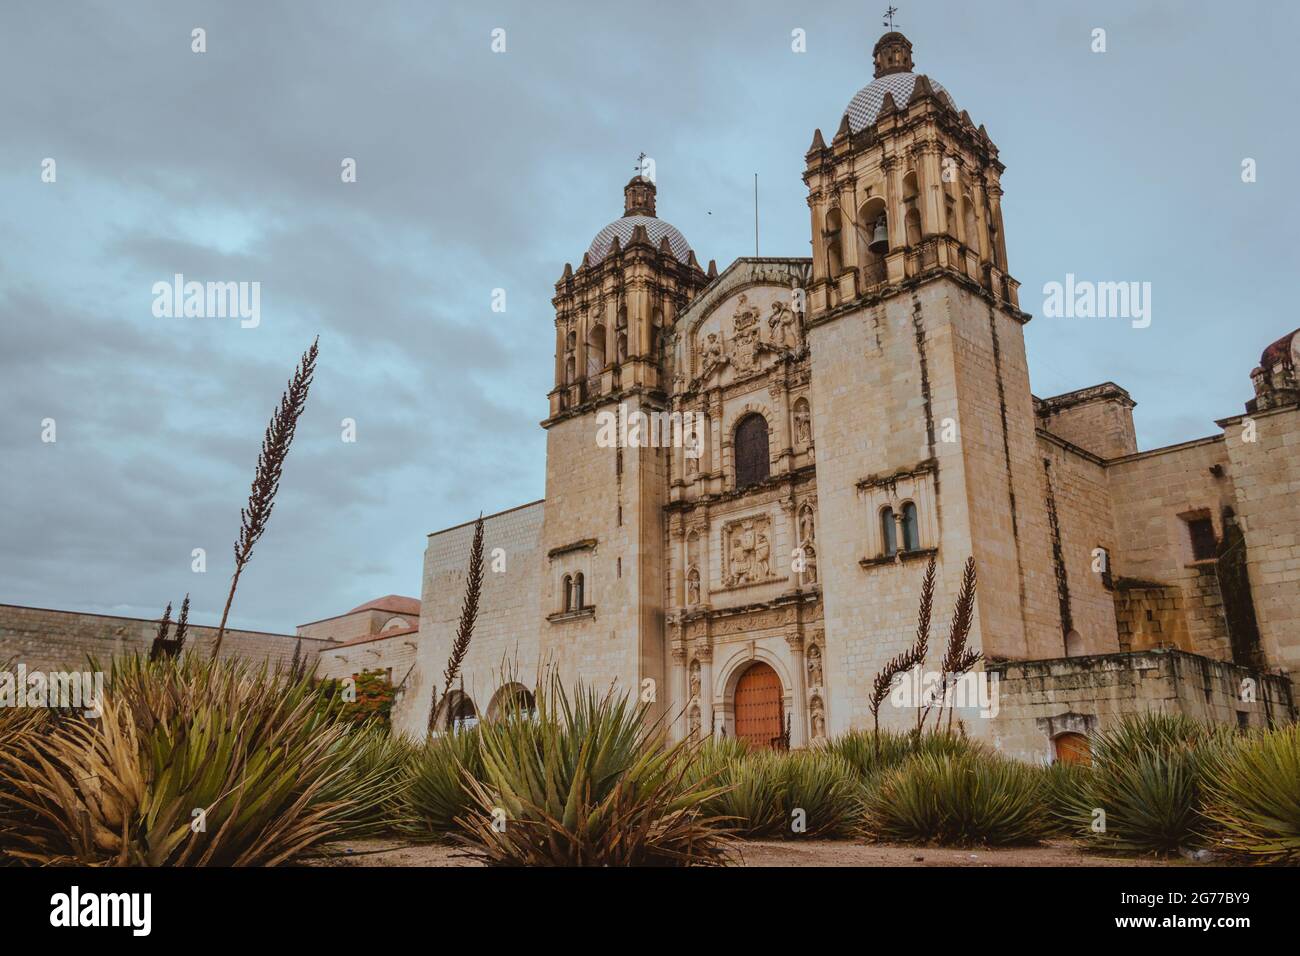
758	706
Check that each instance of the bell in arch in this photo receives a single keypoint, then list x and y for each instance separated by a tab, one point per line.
880	238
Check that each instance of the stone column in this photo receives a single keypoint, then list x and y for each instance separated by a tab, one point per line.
799	717
559	353
705	654
780	394
679	705
791	510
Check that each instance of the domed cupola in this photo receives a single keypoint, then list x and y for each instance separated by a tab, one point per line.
638	210
893	59
614	312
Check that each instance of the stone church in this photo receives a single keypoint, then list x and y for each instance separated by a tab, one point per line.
863	410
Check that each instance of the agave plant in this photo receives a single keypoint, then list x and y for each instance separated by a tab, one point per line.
190	763
1252	795
1142	792
436	790
961	799
587	782
769	793
870	755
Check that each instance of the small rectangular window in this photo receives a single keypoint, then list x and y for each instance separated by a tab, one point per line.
1204	543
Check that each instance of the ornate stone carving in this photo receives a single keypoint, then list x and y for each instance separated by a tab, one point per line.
693	722
783	327
748	551
693	586
695	680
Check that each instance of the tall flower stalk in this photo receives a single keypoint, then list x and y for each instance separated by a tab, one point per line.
468	616
266	481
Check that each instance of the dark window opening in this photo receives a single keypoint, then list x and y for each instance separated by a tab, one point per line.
753	463
1204	543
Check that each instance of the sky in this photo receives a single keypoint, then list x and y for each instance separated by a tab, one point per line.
479	170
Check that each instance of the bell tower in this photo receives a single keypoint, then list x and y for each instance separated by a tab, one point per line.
603	527
921	404
908	183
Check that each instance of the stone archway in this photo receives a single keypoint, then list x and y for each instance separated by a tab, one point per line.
758	706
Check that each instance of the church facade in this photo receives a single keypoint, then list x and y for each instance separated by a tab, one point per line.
856	414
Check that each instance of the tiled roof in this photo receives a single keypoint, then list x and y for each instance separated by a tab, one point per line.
390	602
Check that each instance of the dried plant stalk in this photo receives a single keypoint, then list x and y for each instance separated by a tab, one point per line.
266	481
468	615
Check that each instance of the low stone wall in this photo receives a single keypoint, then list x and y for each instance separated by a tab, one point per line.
1040	699
50	640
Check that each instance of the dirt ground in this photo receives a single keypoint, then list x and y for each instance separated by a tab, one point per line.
766	853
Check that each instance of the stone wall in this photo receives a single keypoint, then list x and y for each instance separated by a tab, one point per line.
1154	494
49	640
1266	474
1098	419
505	636
1039	699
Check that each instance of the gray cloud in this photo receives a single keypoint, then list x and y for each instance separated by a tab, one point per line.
479	171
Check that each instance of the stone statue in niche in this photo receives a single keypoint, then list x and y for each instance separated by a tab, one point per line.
693	586
809	564
807	528
802	425
814	666
693	722
695	679
749	551
818	712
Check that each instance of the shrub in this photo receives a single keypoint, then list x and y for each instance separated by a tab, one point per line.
957	800
436	791
191	763
1252	795
1145	778
859	748
1060	784
762	789
587	782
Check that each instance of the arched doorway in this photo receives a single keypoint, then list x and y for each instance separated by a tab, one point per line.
1072	748
757	706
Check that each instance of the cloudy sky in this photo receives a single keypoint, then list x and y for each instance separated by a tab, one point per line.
479	170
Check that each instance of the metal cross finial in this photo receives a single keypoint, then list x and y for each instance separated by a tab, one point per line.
889	17
640	164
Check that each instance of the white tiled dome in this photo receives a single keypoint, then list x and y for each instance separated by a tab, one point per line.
655	228
865	106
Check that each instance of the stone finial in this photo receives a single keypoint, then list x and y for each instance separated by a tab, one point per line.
892	54
845	129
887	105
817	143
639	197
713	268
921	89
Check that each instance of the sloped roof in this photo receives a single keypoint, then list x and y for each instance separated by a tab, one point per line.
395	603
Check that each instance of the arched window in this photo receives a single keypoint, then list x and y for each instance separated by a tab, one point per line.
568	593
622	347
911	533
570	368
834	253
579	599
913	224
889	531
753	463
972	226
595	351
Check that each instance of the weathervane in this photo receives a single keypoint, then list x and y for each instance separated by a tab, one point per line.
640	165
889	17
